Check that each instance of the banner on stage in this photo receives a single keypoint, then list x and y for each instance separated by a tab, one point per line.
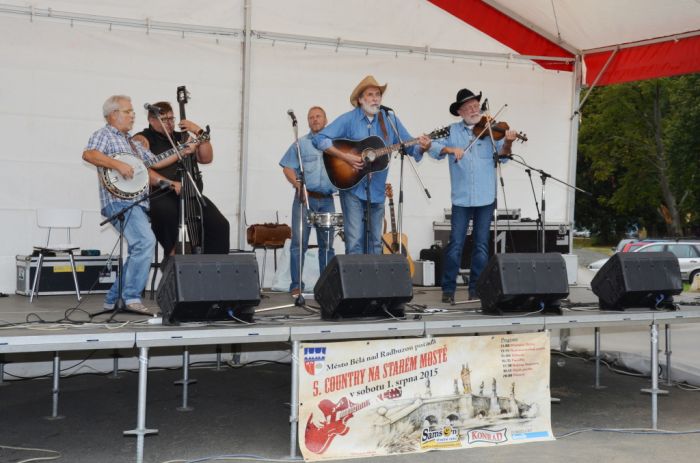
383	397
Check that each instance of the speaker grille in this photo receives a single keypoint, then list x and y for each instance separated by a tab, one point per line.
209	287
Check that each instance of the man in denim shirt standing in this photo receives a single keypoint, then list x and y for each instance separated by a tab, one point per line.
320	192
104	144
367	119
473	180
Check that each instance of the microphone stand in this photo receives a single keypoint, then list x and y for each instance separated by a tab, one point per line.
303	201
537	208
185	177
303	195
402	152
120	306
544	176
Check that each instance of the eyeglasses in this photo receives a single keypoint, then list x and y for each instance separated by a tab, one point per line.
125	111
167	119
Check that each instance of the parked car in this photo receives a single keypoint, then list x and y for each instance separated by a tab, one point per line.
687	252
582	233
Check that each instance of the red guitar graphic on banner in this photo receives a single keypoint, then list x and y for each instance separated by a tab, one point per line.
318	439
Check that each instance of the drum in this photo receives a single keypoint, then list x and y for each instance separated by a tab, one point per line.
272	235
326	219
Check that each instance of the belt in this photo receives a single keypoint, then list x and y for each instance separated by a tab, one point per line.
316	195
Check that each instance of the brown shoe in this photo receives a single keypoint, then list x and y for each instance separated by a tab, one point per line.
139	308
295	293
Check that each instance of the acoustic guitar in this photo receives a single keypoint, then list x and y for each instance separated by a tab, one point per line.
390	241
372	151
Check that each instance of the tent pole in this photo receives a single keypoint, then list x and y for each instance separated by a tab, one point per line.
245	124
595	82
577	77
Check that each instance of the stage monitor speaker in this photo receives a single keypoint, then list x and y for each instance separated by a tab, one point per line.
361	285
638	279
523	282
204	287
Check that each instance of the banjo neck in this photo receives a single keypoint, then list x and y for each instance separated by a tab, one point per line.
173	151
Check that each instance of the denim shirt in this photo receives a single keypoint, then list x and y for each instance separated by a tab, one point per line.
314	171
473	178
354	125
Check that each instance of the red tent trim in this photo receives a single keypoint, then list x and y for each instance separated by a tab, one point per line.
633	62
651	61
507	31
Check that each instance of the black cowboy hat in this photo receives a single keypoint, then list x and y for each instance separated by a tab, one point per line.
463	95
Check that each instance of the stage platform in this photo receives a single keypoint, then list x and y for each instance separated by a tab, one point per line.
41	327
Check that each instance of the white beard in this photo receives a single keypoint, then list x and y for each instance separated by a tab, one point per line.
369	109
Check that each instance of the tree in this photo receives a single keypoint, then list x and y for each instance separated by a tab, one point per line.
638	153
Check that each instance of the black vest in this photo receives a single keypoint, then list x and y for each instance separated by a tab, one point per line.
159	143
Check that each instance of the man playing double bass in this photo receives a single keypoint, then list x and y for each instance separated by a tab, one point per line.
165	209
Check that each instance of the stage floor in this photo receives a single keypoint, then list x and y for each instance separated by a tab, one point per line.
245	411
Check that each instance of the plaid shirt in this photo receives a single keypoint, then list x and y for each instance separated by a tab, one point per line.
110	141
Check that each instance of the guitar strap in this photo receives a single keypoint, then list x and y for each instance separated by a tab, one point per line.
382	124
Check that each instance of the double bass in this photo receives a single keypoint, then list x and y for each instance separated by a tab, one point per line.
191	201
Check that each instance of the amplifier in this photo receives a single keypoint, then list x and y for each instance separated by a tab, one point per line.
424	274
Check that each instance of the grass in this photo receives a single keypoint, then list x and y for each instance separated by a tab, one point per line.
586	243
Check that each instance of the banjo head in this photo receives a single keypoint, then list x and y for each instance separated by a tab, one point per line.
123	187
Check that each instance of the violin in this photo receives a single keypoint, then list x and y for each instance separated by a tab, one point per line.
497	128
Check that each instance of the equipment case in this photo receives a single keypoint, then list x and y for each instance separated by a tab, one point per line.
57	277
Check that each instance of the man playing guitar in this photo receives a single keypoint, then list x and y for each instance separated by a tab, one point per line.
367	119
165	208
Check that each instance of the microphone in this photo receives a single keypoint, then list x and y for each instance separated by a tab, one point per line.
164	184
290	112
151	108
386	108
485	105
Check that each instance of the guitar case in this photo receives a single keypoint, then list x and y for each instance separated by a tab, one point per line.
436	253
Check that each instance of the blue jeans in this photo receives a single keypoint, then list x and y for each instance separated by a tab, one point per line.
354	220
481	217
141	243
324	236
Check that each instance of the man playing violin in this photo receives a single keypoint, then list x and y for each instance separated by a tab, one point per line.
368	118
320	191
473	181
165	208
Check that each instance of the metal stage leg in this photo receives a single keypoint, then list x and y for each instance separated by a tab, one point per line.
141	430
115	365
55	389
654	391
218	358
294	402
667	332
2	371
185	381
597	360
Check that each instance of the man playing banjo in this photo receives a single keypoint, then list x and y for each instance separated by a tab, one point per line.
101	151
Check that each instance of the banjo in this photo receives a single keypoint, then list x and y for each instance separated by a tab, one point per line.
128	188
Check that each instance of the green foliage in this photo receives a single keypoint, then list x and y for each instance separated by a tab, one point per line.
631	136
